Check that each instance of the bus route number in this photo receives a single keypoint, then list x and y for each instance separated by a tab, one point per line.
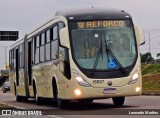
98	81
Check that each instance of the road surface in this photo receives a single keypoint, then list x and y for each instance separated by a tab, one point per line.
99	108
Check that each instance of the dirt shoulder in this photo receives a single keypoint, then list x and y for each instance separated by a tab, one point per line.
5	106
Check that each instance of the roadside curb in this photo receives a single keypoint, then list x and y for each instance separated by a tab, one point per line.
151	94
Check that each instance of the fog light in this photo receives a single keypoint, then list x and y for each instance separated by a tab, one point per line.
138	89
77	92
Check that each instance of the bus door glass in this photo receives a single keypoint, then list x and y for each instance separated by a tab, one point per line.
30	61
17	66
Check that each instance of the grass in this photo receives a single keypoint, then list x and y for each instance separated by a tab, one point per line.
151	78
150	69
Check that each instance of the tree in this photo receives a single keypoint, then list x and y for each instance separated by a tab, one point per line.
158	54
147	57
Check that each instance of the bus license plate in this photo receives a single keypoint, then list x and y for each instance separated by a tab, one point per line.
109	91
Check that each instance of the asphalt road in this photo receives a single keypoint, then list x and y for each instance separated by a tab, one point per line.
99	108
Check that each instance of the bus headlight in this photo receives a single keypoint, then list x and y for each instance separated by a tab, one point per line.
79	79
82	82
135	77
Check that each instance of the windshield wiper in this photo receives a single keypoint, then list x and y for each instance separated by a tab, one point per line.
108	51
100	51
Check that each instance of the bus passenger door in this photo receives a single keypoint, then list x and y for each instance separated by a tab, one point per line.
17	67
30	62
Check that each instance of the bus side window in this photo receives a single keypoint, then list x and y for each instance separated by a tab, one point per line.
11	59
42	42
48	46
14	59
20	56
37	50
33	46
54	43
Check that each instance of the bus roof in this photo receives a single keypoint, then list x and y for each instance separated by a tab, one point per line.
93	13
81	14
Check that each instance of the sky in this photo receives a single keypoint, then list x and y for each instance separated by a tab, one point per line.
25	15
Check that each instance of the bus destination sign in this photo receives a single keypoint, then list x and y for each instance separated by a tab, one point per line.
100	24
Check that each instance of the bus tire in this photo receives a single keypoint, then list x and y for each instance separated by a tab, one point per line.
18	98
62	103
85	101
55	89
89	100
25	99
37	99
118	101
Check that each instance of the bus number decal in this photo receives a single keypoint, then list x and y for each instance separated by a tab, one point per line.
98	81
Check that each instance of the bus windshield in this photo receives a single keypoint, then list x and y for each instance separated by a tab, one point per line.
103	44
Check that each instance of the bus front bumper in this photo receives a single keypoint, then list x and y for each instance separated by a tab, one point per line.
102	93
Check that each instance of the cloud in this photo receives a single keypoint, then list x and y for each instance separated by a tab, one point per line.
26	15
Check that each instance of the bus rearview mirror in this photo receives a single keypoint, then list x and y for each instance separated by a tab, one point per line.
64	37
139	35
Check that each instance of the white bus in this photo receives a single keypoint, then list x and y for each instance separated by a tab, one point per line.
81	55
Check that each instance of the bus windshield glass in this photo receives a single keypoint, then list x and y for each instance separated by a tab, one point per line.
103	44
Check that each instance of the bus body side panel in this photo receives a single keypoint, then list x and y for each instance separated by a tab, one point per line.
37	75
12	79
44	75
21	88
60	81
31	93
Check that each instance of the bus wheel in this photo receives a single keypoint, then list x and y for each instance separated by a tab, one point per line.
55	90
85	101
89	100
118	101
18	98
37	99
25	99
62	103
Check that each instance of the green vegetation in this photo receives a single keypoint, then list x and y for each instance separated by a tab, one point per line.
150	69
147	57
151	78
